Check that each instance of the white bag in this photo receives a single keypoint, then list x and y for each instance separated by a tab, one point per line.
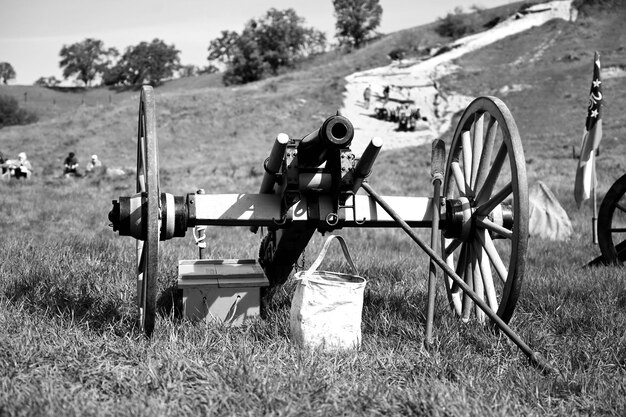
326	307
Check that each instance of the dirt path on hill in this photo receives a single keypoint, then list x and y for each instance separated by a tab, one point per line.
418	81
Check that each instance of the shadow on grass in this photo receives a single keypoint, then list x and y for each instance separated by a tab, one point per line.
402	306
82	304
170	304
79	304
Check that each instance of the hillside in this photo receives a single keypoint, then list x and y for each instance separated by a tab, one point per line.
543	69
544	76
415	83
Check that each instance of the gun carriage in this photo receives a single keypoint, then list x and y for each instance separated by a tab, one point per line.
478	213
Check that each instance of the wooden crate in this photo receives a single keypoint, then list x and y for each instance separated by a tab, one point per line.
223	290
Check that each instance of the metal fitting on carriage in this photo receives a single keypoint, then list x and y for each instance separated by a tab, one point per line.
127	216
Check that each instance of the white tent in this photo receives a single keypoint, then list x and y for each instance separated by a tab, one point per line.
548	219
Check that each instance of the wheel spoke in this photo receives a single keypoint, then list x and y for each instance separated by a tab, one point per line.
492	176
466	144
478	146
455	290
487	207
460	266
485	157
142	260
495	228
469	280
620	207
455	300
451	247
619	230
485	271
141	166
459	179
479	288
492	253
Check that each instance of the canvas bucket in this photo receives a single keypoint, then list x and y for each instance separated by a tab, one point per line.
326	307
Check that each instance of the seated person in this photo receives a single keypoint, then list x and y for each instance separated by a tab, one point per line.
2	163
70	165
23	168
5	164
93	165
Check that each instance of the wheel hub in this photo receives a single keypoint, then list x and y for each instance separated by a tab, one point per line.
129	213
460	222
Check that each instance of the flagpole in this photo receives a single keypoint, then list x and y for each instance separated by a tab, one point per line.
594	217
585	184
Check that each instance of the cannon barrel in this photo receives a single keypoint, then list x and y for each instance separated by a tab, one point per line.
336	133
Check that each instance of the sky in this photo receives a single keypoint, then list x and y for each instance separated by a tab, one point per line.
32	32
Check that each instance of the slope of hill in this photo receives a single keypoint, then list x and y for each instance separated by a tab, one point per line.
544	75
198	118
416	81
544	69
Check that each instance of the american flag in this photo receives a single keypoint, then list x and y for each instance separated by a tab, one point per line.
585	173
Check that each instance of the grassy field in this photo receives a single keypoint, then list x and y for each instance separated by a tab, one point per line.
68	340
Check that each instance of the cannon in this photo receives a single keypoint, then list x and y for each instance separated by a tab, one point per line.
478	213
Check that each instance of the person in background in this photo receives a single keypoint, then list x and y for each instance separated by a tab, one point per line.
23	168
2	163
367	95
70	165
7	168
93	164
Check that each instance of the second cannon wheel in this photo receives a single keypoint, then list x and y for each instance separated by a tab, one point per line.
485	174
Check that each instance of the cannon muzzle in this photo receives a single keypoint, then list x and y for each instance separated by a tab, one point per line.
336	133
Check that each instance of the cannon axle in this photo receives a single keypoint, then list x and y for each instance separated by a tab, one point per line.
129	213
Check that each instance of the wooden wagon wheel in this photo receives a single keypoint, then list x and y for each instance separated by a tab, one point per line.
148	186
612	223
485	177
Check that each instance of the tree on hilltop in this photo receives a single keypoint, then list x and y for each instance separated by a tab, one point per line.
188	71
222	49
47	81
458	24
6	72
150	63
86	60
283	39
356	20
275	41
246	63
